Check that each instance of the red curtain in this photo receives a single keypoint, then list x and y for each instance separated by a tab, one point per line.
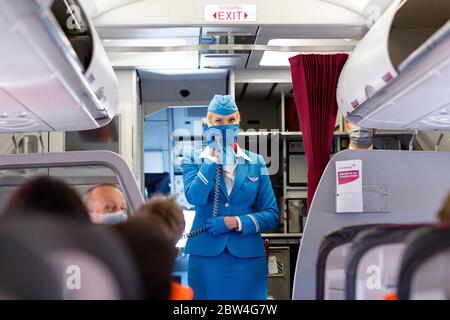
314	80
292	123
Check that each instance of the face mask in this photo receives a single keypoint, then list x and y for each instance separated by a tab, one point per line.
360	137
110	218
222	138
224	134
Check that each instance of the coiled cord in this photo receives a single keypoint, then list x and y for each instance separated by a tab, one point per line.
215	204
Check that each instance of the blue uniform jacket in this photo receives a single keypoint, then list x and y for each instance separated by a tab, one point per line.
252	199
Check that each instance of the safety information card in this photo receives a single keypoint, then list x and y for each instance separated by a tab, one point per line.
349	197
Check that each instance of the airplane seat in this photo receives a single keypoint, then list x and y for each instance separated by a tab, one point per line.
24	272
83	276
88	262
330	267
8	185
103	243
424	272
374	260
335	276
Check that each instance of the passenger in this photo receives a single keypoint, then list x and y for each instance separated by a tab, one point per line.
165	213
360	138
153	254
47	196
168	216
227	258
444	212
391	296
106	204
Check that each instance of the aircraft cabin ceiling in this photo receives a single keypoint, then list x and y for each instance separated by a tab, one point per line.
172	34
97	8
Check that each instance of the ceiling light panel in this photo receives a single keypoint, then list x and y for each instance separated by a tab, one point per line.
281	58
152	60
155	60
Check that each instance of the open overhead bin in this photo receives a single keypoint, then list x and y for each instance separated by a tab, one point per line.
54	72
398	75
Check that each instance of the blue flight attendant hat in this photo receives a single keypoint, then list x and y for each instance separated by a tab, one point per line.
223	105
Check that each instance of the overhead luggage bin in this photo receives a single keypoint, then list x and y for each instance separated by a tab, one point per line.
54	72
397	76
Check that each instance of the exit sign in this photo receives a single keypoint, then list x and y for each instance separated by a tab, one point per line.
230	12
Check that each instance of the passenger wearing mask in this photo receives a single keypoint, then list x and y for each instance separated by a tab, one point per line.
167	215
234	203
360	138
106	204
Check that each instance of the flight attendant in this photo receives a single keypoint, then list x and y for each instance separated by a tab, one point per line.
234	202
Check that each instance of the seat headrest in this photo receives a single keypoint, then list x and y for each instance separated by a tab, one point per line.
69	249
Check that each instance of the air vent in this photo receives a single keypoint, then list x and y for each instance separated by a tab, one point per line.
230	61
17	124
217	57
226	39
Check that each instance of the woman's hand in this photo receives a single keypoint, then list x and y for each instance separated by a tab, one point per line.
215	154
216	226
231	222
220	225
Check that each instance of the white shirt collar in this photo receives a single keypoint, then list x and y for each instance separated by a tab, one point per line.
239	153
351	148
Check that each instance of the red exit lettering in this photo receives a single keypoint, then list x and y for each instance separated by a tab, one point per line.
230	15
